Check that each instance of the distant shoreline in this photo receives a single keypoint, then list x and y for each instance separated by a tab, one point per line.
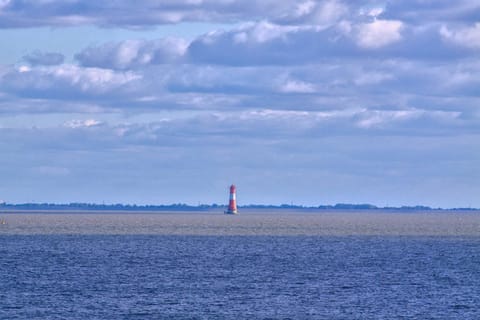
88	207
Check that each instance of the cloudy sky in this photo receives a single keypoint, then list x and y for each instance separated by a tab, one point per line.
306	102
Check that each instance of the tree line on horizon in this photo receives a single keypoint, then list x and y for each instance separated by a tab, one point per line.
203	207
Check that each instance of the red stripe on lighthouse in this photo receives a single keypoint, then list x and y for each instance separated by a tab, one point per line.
232	203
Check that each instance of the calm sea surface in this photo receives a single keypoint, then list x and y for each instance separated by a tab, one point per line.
269	265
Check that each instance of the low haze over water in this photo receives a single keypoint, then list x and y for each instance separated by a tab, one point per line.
257	265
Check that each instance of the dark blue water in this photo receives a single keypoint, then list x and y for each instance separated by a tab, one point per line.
238	277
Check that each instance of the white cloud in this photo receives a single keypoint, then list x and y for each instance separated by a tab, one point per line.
374	118
379	33
380	118
74	124
329	12
260	43
296	86
467	37
322	14
4	3
304	8
262	32
127	52
266	43
375	12
23	68
372	12
271	114
62	79
91	79
297	121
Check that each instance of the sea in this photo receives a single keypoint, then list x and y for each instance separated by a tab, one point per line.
254	265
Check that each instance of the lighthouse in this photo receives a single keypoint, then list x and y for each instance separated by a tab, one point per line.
232	203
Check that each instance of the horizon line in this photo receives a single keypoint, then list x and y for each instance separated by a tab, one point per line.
140	207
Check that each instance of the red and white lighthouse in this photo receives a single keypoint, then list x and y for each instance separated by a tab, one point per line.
232	203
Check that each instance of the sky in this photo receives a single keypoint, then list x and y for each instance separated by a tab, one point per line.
304	102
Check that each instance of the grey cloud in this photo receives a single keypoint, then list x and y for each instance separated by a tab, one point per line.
22	13
340	84
44	58
320	13
349	83
133	53
269	44
433	12
18	13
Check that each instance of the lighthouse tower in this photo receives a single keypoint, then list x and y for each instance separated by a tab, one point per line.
232	203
